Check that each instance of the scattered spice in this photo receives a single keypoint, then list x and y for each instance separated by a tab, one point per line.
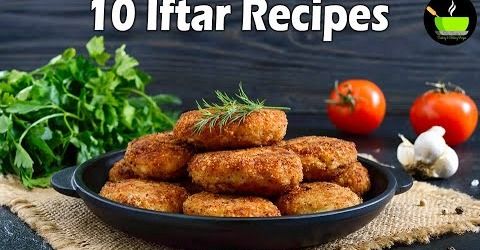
459	210
444	211
422	203
474	183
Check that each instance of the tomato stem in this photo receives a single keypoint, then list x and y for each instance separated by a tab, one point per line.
445	87
345	99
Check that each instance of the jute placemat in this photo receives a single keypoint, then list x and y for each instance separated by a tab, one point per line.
66	223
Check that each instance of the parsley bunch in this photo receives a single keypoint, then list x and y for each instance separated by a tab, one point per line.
73	109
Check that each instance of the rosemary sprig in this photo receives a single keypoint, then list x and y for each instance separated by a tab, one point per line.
228	110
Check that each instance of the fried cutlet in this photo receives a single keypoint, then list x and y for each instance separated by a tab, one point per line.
158	196
120	171
354	176
158	156
263	171
321	156
317	197
208	204
259	128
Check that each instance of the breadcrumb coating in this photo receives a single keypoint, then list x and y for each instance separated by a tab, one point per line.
354	176
208	204
266	171
260	128
158	156
317	197
191	187
120	171
321	156
158	196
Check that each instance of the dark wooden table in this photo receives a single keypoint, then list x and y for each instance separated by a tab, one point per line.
294	69
14	234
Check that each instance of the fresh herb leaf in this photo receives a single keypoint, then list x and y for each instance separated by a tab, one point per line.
23	159
24	107
35	139
37	182
125	66
96	49
128	113
69	54
166	99
5	124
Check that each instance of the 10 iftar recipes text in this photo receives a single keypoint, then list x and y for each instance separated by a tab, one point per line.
257	15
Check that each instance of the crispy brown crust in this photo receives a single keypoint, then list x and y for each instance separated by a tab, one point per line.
260	128
191	187
354	176
158	196
158	156
120	171
317	197
321	156
208	204
263	171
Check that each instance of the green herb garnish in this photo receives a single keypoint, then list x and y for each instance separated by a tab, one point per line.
228	110
73	109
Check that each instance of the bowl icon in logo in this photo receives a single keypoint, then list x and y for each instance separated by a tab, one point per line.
452	23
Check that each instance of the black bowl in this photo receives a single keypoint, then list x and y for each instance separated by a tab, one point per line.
187	231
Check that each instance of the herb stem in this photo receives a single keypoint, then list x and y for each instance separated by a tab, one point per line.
279	108
45	118
68	125
66	112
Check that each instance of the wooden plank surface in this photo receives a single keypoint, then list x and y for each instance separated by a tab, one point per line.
288	68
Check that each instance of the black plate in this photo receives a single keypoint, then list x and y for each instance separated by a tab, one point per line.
186	231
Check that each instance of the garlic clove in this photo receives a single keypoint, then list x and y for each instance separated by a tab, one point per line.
405	152
446	165
430	145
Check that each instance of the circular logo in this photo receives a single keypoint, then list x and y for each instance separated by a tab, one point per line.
450	22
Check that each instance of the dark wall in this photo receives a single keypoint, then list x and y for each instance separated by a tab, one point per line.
289	68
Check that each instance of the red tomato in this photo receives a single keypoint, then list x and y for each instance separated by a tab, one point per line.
356	106
453	110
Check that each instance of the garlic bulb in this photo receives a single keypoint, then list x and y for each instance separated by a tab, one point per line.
429	156
430	145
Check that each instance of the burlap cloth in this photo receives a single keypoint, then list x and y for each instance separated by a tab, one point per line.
66	223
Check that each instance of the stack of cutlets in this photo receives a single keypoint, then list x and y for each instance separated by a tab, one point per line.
242	169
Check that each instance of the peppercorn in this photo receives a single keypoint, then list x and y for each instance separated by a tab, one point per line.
459	210
422	203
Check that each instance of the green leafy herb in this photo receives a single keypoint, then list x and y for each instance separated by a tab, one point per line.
228	110
75	108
